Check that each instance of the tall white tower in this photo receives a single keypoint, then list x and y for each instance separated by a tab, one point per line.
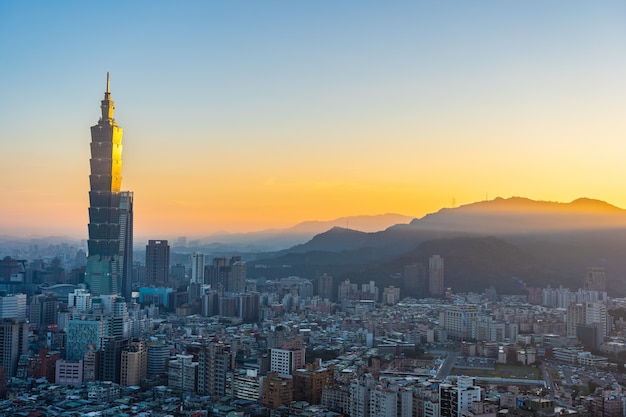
197	268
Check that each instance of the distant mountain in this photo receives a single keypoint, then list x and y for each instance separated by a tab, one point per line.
277	239
522	215
501	242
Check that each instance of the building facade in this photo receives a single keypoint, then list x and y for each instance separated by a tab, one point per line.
108	242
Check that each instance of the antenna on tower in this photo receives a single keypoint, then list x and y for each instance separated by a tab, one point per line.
108	90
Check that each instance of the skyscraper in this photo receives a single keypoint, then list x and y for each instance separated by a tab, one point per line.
157	263
197	268
435	275
110	210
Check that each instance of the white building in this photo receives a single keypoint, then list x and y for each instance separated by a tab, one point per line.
80	300
285	361
182	373
454	399
197	268
13	306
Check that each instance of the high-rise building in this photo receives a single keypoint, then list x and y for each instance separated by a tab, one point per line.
79	300
157	263
182	373
215	360
110	210
325	287
595	280
13	344
415	281
276	390
126	242
237	275
111	358
309	382
455	399
43	310
197	276
13	306
435	275
286	360
134	361
197	268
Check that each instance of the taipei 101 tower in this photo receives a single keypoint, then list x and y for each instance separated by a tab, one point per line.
109	257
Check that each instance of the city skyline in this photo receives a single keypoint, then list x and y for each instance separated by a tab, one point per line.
263	116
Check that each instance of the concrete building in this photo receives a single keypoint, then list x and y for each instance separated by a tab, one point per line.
158	354
595	280
325	287
286	361
308	383
81	334
455	399
391	295
435	275
457	320
157	263
69	373
79	300
13	306
276	390
134	360
182	373
215	361
13	344
247	385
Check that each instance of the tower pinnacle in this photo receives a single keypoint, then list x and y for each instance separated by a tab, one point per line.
107	105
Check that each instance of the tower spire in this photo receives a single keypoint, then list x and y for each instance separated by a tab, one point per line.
107	104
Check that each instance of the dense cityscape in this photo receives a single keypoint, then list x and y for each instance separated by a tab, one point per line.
92	331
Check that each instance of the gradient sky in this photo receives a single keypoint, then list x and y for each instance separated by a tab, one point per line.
247	115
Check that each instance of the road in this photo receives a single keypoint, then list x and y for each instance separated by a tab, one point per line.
445	369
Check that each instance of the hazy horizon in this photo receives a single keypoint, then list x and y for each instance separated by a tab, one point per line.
260	115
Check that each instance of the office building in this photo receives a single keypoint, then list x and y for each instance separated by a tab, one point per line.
455	399
81	334
276	390
309	382
13	306
43	310
126	243
247	385
110	211
182	373
69	373
215	361
286	360
197	268
236	276
79	300
415	281
134	362
457	320
435	275
325	287
13	344
158	354
111	358
595	280
157	263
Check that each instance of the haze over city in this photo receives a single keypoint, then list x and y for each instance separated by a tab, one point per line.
253	115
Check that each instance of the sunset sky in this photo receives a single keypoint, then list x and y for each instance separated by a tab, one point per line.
247	115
